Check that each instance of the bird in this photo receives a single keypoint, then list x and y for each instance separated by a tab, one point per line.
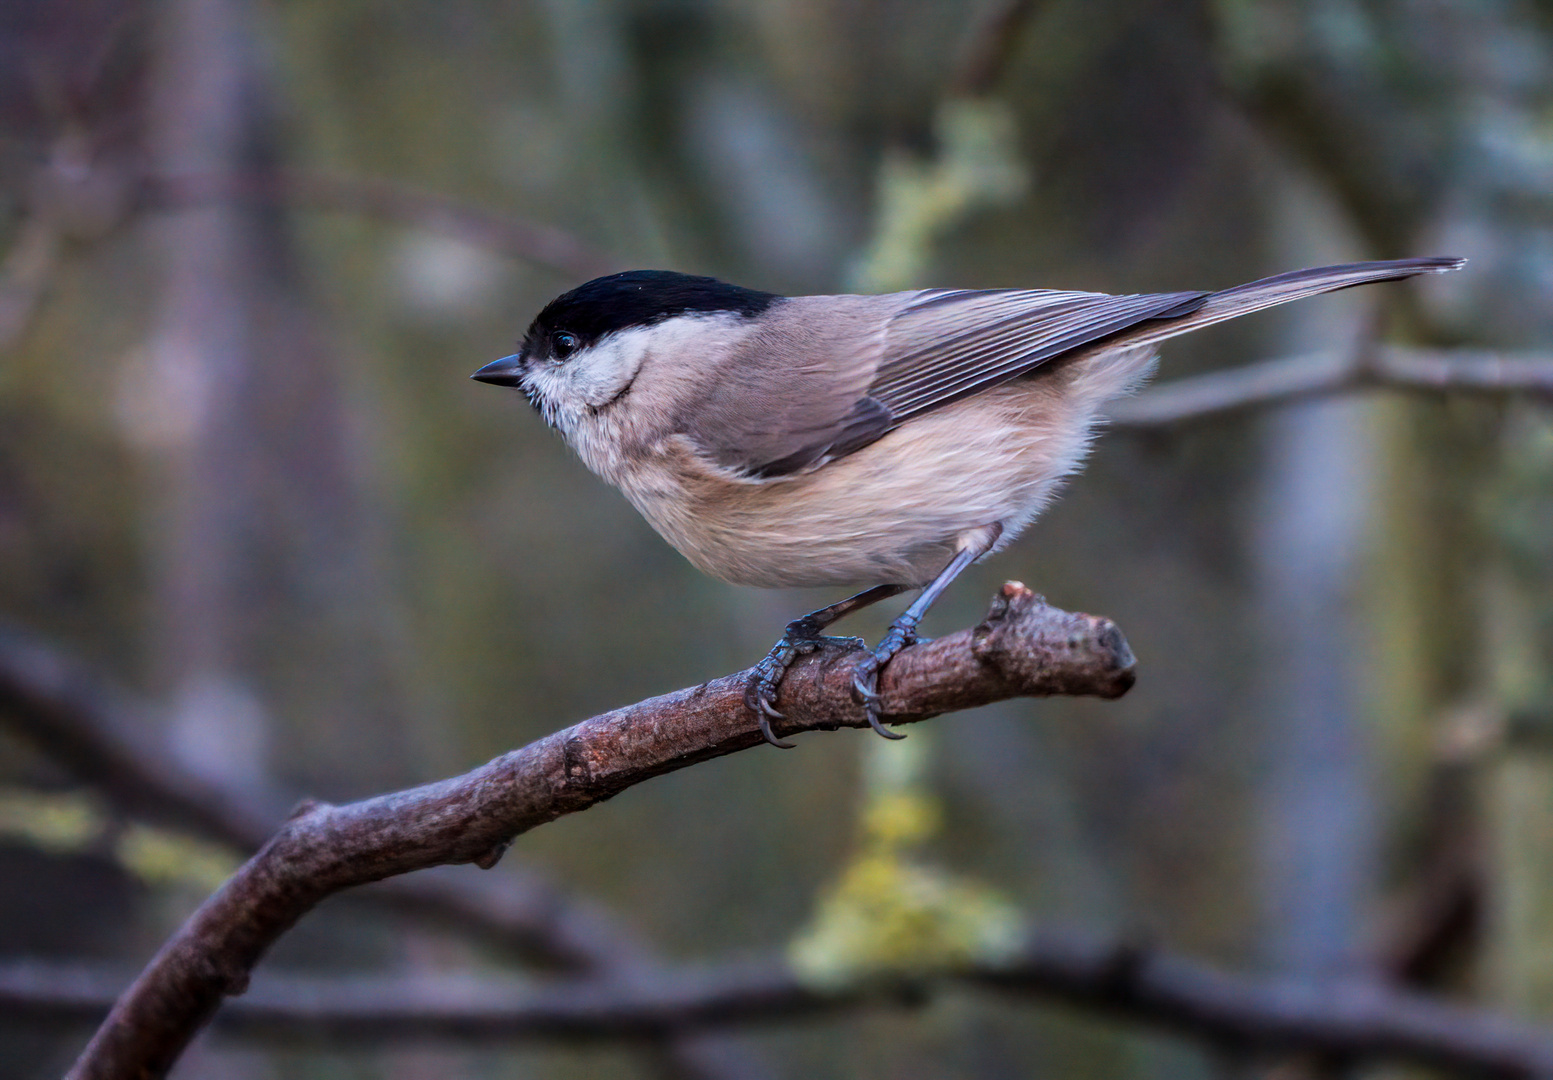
885	441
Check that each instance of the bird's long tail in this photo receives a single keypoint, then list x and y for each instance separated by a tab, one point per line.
1296	285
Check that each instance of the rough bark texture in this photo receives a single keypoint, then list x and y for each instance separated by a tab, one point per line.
1025	647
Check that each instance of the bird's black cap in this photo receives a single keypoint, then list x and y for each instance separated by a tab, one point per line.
637	298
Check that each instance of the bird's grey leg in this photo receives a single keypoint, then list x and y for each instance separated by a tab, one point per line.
903	631
802	637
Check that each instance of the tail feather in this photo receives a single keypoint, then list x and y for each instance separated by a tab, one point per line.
1282	288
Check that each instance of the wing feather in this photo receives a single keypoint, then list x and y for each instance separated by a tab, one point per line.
999	336
865	365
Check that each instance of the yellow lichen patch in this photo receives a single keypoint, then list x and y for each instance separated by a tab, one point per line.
977	166
158	857
888	916
57	823
71	823
891	913
896	819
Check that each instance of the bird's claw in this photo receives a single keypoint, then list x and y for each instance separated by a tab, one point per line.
761	690
769	735
865	679
759	693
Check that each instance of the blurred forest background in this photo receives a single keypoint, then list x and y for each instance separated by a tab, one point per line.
253	250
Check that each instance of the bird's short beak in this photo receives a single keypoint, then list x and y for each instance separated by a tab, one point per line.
508	371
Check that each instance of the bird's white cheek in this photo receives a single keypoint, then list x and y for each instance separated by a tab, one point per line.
589	380
596	376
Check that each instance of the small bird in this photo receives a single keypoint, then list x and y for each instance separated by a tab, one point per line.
887	441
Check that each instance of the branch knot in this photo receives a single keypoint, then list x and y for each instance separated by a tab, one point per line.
1039	648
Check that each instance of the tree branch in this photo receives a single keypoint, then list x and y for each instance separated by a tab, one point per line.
1368	1022
1298	378
391	201
1341	1020
108	740
1025	647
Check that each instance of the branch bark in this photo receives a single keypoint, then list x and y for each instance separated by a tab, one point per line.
108	739
1350	1020
1298	378
1025	647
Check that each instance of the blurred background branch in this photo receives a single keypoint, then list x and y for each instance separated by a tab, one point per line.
397	203
1270	383
28	265
1119	980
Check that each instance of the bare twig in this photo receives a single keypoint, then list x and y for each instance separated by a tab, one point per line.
1024	648
1342	1020
1361	1022
988	49
24	275
1278	382
109	741
391	201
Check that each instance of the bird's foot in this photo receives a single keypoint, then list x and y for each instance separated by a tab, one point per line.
865	677
801	638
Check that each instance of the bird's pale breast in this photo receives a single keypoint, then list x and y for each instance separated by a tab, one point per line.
893	511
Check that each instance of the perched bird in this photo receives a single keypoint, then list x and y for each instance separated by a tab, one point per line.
887	441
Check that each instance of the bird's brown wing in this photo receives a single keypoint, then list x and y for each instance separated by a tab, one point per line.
944	346
890	358
947	345
829	375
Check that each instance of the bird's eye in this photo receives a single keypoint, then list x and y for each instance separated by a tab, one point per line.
564	344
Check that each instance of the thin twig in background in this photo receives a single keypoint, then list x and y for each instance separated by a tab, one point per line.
390	201
1362	1022
24	274
1024	648
988	48
1270	383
